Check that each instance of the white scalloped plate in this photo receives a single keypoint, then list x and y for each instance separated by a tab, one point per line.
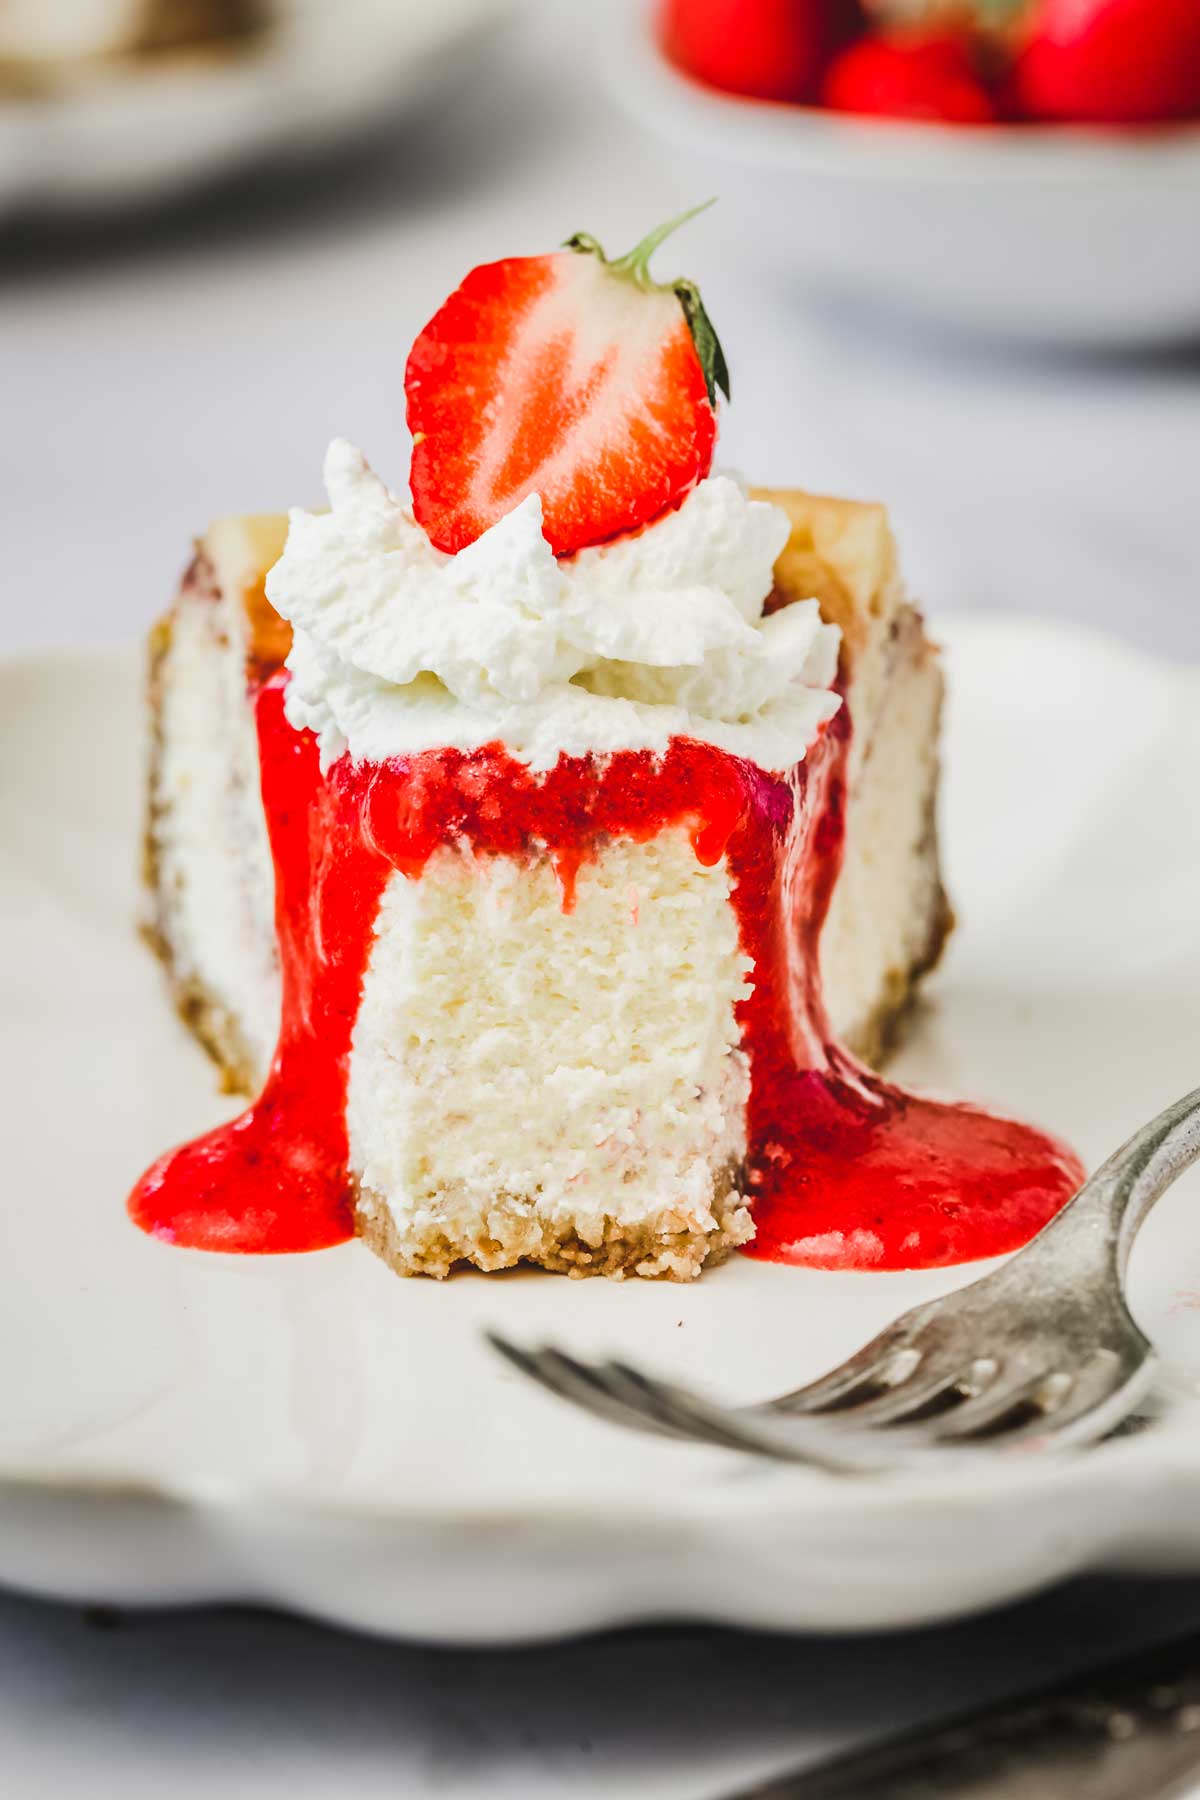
312	1432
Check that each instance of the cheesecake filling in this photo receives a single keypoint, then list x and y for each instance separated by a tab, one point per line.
563	1087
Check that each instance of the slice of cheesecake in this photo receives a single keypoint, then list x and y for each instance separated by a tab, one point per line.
577	832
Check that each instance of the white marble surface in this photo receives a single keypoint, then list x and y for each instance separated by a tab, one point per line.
153	376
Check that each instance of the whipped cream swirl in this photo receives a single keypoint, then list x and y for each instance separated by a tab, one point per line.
399	648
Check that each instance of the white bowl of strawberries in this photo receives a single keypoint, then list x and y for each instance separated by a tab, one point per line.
1026	167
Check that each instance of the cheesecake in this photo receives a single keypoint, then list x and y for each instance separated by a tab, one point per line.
549	850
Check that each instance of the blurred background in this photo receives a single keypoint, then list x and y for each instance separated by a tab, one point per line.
955	265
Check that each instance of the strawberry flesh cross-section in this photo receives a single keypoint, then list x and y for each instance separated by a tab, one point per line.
569	376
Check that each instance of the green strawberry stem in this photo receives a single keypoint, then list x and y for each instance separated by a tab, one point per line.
635	262
634	266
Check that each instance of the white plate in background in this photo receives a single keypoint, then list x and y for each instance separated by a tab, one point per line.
315	1433
326	73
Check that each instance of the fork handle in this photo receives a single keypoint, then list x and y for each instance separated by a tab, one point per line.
1129	1732
1119	1196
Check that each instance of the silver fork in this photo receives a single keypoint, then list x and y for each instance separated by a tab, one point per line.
1041	1352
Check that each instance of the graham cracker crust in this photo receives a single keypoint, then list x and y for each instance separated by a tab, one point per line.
675	1249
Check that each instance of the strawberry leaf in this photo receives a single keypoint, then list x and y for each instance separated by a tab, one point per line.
708	344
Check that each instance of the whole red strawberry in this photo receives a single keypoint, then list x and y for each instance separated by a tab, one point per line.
768	49
1111	61
903	75
569	376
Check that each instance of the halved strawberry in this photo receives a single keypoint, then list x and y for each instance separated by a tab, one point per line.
568	376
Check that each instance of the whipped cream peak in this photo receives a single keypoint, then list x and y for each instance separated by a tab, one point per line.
398	647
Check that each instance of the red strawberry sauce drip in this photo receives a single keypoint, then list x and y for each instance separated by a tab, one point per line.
845	1170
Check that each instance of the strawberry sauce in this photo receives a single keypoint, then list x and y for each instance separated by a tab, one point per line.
844	1169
